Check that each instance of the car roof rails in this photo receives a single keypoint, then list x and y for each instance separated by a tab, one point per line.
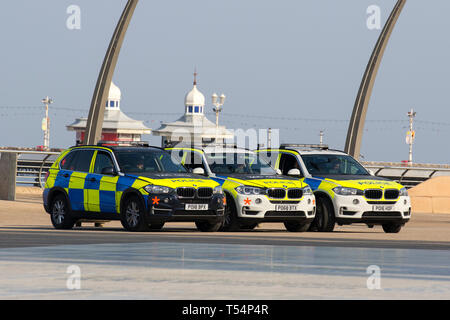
105	143
309	147
304	146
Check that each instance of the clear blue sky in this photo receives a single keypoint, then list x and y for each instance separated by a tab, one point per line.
276	61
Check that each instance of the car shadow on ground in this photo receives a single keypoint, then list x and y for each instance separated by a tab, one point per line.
174	229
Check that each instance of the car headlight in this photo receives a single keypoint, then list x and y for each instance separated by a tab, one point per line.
218	190
307	190
157	189
343	191
403	192
250	190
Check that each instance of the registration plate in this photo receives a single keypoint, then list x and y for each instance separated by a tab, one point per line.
382	208
286	207
196	206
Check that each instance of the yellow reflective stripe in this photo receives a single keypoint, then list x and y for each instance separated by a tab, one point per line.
277	163
118	197
94	200
77	180
94	157
138	184
190	149
108	183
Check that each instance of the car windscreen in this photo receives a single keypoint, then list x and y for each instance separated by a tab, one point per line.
147	161
238	163
333	164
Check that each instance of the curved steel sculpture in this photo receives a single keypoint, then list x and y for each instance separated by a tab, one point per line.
356	126
96	112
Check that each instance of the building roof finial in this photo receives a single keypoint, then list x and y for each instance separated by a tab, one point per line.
195	76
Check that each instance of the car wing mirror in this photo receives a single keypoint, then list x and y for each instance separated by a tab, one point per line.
109	171
294	173
279	172
198	170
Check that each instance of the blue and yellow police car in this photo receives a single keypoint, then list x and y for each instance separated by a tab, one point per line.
141	186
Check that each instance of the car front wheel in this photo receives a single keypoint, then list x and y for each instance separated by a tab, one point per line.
133	215
392	227
324	220
206	226
230	222
297	226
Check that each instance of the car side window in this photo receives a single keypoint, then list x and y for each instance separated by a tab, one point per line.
269	156
193	160
83	160
68	163
102	161
288	162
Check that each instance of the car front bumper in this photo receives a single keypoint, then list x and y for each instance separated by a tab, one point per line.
172	208
259	208
357	209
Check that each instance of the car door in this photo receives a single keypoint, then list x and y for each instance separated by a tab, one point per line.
102	185
77	191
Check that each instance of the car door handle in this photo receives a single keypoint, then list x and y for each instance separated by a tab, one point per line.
66	175
92	179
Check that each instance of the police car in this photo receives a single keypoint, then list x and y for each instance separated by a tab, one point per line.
140	186
345	191
254	191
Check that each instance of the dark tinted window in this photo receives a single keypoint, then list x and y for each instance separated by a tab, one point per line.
288	162
68	162
193	160
238	163
82	160
102	161
333	165
147	161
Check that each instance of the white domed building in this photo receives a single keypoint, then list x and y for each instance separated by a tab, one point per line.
193	127
116	125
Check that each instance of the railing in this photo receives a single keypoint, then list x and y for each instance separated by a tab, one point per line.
407	175
32	166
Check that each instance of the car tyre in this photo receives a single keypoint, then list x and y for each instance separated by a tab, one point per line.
324	221
133	216
297	226
392	227
249	226
156	226
230	221
206	226
60	213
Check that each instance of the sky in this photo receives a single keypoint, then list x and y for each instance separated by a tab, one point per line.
292	65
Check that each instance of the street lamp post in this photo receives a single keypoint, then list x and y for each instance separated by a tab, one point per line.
321	134
217	103
411	134
46	123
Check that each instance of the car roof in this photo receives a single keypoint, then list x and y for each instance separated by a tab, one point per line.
226	150
117	148
306	149
325	152
213	149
